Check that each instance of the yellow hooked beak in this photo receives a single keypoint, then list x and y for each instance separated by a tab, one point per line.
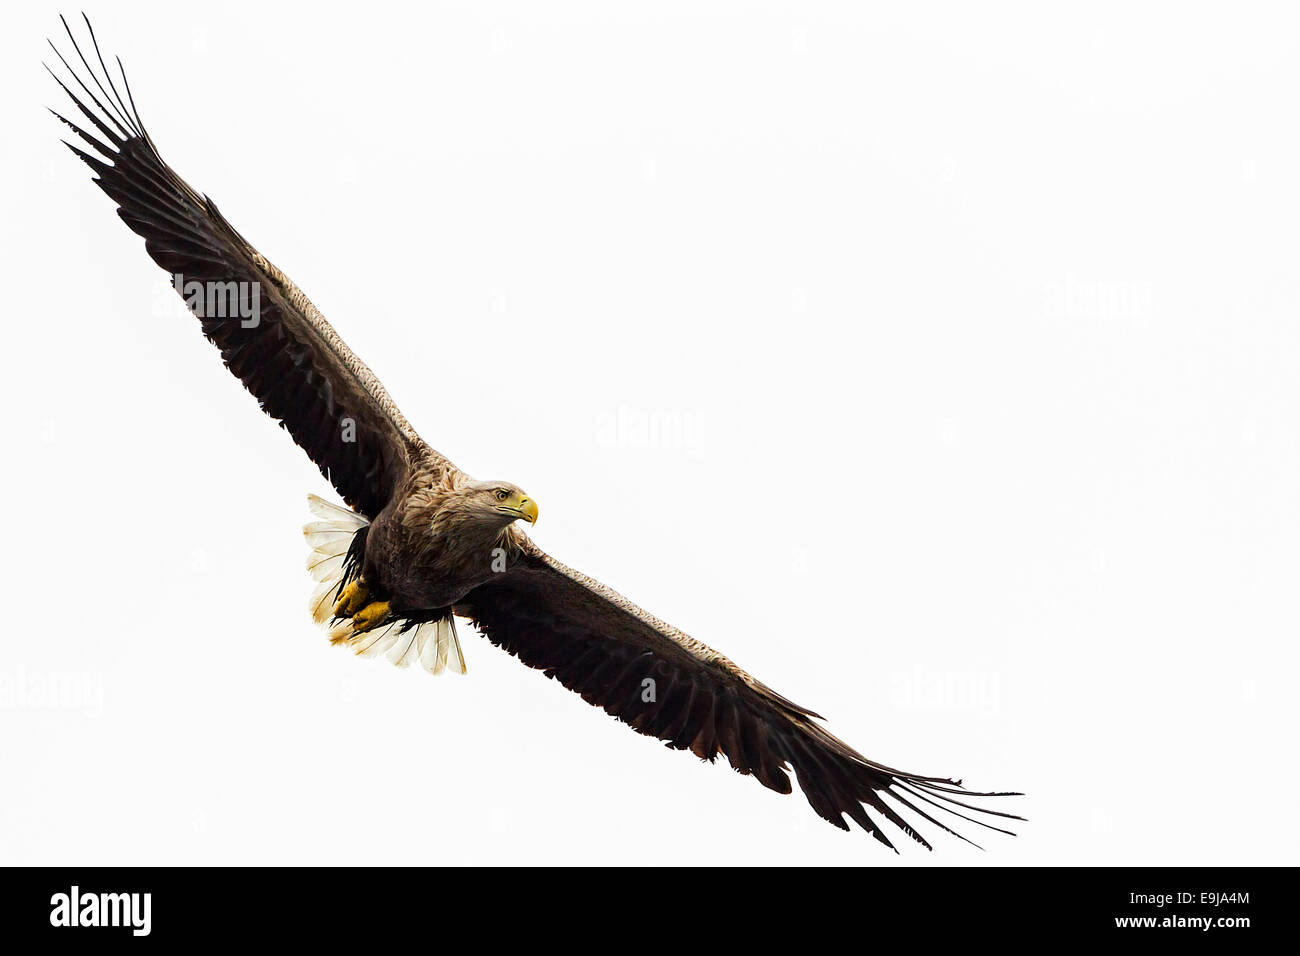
519	505
528	510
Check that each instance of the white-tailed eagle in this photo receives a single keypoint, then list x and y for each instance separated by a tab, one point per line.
421	542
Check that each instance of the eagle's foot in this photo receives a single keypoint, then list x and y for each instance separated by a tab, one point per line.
371	616
352	600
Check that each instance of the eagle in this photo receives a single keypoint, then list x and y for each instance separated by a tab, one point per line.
419	543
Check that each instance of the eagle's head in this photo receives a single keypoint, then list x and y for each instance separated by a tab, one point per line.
496	503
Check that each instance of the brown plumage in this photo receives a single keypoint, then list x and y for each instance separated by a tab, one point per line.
425	542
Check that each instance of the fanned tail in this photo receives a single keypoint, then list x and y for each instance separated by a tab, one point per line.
331	539
433	644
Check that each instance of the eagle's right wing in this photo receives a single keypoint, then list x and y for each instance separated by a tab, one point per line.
665	684
269	334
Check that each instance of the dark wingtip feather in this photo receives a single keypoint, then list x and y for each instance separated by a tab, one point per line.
98	166
110	111
135	112
126	114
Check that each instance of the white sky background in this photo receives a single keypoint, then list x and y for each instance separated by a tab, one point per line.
939	366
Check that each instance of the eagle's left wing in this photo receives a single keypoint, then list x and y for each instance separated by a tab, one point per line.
270	336
666	684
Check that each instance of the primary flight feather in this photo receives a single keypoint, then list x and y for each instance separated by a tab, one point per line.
421	542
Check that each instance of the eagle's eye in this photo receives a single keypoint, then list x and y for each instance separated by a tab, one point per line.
502	494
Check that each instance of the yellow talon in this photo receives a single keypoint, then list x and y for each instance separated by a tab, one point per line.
370	616
353	599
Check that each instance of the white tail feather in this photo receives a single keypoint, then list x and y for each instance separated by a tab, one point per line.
326	568
433	644
335	514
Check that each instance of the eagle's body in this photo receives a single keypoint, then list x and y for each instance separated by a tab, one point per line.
421	542
424	552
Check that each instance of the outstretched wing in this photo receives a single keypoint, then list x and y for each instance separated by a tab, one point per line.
269	334
665	684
